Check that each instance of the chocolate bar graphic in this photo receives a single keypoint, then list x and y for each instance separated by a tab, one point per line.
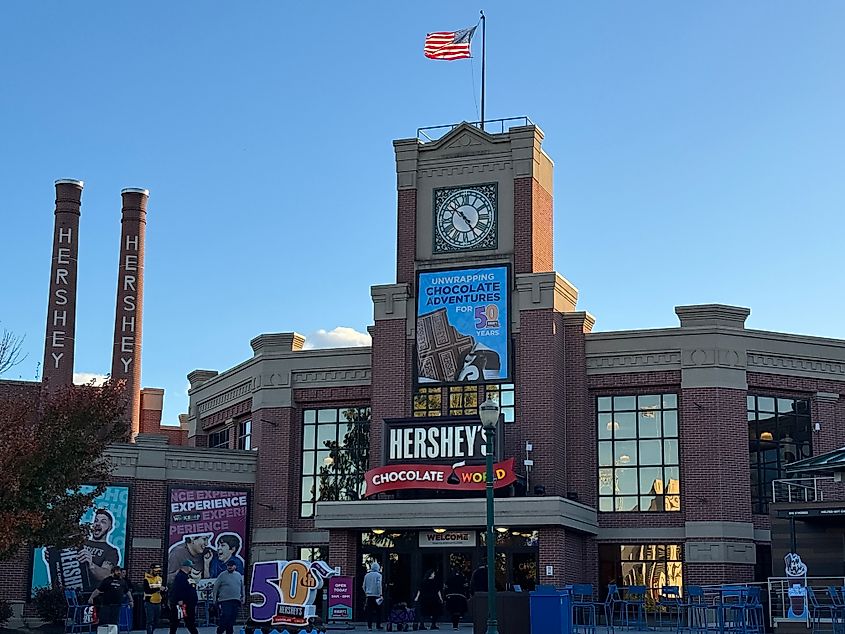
440	348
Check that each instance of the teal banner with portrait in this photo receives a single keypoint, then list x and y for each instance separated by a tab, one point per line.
82	568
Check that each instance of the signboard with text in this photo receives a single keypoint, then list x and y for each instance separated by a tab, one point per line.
340	598
437	440
448	478
283	592
447	539
463	326
209	527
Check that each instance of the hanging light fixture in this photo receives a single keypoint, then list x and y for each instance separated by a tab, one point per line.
439	530
378	531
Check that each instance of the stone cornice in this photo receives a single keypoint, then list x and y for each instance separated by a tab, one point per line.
390	301
634	362
205	407
542	291
156	460
772	363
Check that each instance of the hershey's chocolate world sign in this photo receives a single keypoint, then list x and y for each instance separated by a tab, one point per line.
435	442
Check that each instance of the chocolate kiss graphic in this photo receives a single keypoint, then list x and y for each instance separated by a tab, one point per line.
453	477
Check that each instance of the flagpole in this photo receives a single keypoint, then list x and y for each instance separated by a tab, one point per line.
483	63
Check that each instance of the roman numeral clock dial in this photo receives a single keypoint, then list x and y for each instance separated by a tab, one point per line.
465	218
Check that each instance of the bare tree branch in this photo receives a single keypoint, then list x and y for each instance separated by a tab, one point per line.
10	350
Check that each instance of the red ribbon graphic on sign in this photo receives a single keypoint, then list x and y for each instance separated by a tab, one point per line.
417	476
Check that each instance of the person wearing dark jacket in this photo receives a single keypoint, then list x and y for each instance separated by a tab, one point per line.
456	598
183	594
113	590
430	600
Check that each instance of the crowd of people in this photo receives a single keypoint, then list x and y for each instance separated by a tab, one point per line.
180	598
431	600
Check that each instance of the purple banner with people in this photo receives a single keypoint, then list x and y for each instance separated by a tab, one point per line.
209	528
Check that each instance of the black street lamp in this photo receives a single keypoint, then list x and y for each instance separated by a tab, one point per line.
488	411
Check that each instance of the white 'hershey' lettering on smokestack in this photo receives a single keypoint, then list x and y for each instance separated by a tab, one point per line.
126	356
61	307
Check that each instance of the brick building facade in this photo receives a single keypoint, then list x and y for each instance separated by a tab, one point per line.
642	456
592	510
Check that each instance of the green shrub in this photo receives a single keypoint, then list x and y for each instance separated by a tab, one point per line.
5	612
50	604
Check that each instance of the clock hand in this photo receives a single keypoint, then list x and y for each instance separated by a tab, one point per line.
466	220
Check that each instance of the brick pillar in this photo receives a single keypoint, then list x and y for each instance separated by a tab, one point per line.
830	435
533	227
275	500
392	361
60	338
343	551
126	352
552	553
539	403
715	484
580	427
406	227
709	473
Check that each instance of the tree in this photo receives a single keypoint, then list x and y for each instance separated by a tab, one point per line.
10	350
50	449
341	478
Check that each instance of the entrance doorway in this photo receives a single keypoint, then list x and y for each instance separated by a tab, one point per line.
446	562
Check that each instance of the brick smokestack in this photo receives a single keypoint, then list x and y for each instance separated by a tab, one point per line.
61	307
126	355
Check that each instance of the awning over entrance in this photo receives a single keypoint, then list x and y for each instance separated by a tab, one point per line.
829	462
533	511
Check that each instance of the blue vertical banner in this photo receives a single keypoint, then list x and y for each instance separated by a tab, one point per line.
82	568
463	322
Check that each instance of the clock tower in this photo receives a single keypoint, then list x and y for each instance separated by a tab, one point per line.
477	307
471	197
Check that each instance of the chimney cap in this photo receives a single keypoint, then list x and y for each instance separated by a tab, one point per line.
135	190
70	181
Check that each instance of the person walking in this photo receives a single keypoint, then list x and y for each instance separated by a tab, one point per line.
228	596
430	600
113	589
373	591
456	598
183	599
153	590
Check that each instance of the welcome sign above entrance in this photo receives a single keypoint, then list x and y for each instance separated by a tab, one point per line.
448	539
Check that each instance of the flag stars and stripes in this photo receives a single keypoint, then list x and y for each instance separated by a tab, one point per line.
449	45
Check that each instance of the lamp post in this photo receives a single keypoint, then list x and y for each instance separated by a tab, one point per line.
488	411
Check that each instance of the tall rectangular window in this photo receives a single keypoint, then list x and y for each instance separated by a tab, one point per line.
219	439
651	565
638	453
779	432
335	455
245	434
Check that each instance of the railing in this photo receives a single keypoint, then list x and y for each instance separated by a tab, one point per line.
779	599
492	126
800	489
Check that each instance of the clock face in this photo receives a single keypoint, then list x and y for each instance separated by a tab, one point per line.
465	218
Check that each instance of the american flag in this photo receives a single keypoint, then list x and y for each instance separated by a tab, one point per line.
449	45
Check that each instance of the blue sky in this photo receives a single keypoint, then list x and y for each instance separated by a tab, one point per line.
698	151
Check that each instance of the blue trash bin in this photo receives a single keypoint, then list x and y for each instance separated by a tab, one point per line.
551	610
